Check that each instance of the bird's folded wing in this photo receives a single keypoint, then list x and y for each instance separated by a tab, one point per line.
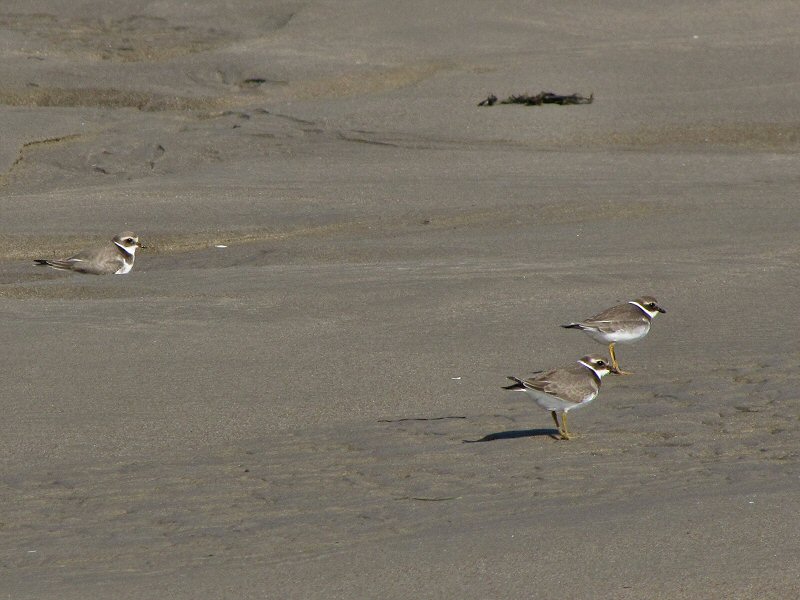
547	383
609	326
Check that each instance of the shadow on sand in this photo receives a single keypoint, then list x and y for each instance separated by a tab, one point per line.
515	433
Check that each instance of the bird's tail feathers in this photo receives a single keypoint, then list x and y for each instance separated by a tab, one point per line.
62	265
573	326
518	386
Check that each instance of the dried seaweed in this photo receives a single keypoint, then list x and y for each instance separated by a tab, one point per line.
538	99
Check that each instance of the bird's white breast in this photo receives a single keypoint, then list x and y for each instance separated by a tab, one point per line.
622	335
125	268
550	402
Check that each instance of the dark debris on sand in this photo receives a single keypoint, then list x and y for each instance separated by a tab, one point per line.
538	99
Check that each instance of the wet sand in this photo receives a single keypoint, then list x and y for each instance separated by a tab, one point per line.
314	410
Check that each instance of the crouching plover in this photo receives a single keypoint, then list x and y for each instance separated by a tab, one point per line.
114	258
561	390
624	323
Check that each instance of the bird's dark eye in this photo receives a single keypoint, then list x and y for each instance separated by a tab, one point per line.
600	363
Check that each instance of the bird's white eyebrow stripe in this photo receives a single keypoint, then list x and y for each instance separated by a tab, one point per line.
131	250
588	366
639	306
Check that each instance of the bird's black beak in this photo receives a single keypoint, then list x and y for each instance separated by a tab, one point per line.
661	310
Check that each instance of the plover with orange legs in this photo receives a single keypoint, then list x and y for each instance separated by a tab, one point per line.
624	323
562	390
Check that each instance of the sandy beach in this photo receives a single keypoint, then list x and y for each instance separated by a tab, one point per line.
296	393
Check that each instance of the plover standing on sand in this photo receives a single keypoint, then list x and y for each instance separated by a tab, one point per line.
624	323
562	390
